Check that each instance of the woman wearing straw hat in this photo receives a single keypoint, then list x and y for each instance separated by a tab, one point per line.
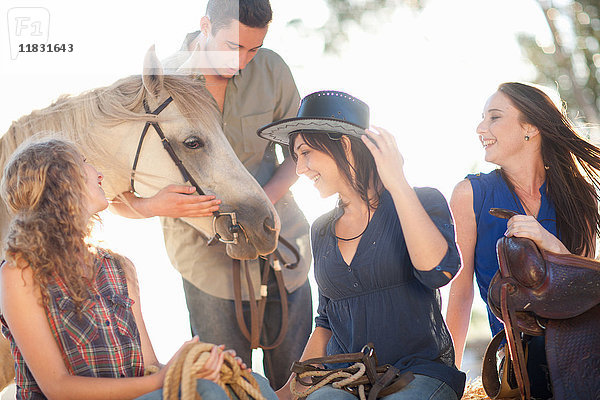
380	255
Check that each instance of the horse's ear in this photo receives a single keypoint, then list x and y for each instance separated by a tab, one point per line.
152	78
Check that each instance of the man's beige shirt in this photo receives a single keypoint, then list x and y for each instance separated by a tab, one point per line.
261	93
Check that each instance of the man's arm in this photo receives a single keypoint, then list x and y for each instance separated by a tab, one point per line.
284	177
286	106
176	201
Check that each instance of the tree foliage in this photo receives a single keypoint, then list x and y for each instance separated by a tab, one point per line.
344	13
572	60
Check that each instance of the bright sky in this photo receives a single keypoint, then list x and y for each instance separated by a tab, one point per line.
425	75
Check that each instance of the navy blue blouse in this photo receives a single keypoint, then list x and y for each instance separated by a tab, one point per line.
489	191
381	298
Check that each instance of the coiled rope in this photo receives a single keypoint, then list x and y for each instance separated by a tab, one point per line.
182	374
340	379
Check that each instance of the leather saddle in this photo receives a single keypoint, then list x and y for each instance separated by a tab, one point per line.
536	292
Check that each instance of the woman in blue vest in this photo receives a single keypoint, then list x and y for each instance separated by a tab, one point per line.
547	173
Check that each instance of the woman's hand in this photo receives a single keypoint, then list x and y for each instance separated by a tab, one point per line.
212	367
388	158
239	360
211	371
526	226
160	375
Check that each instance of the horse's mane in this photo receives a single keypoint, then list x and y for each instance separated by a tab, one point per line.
75	117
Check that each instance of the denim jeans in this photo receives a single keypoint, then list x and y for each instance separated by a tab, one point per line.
421	388
213	320
211	391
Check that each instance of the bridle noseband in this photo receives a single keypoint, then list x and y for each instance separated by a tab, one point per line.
234	228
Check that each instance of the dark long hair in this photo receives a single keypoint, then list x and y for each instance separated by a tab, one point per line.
362	176
573	163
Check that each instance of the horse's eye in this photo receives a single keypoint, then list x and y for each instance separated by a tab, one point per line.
193	142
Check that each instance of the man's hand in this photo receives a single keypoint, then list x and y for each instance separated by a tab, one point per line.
279	184
180	201
176	201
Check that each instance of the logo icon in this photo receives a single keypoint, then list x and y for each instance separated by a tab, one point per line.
27	25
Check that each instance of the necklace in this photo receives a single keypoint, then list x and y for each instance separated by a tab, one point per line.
360	234
513	186
527	210
522	199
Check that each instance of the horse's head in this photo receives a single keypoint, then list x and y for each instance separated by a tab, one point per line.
192	125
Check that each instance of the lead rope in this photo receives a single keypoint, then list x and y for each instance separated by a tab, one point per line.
182	375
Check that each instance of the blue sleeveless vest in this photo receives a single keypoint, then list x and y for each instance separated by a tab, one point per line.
490	190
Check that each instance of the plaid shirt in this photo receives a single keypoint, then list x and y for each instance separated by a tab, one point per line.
102	340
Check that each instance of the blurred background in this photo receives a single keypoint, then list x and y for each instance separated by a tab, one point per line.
425	68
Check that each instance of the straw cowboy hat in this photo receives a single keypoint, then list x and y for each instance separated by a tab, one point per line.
324	111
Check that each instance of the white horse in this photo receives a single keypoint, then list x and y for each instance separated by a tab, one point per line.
107	123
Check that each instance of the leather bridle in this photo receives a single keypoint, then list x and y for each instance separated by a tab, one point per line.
234	228
257	306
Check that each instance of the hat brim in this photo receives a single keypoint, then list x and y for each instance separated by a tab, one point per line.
280	131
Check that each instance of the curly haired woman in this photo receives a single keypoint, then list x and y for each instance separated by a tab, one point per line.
72	311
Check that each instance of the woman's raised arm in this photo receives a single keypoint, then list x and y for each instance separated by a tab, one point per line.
426	245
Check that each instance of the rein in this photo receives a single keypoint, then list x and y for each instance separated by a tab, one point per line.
257	307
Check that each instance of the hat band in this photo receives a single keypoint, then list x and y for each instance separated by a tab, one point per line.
333	135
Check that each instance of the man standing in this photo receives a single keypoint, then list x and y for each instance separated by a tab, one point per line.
251	90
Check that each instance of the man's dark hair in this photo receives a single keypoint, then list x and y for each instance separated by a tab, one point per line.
252	13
